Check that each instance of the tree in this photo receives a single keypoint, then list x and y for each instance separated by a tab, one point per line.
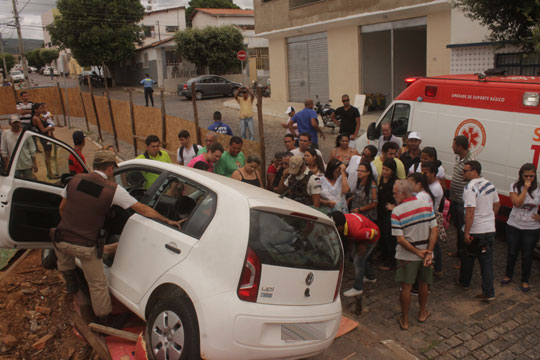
212	47
48	55
209	4
33	58
515	21
98	31
10	61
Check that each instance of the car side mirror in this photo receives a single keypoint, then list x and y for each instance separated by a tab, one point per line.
372	132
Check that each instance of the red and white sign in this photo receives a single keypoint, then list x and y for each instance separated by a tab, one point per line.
475	132
241	55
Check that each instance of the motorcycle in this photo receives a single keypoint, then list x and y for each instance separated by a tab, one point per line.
325	112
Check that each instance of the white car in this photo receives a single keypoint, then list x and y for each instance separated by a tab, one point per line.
16	76
250	275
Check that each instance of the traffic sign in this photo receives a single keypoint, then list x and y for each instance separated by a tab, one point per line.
241	55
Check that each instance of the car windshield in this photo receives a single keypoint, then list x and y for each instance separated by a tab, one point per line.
16	73
292	241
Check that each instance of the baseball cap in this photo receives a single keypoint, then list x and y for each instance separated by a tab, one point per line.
14	118
78	137
295	164
290	109
104	156
414	135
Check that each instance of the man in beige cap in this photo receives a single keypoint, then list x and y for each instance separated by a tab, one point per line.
86	200
26	164
300	184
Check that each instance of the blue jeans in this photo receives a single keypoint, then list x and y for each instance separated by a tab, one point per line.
486	265
524	240
362	267
458	219
246	126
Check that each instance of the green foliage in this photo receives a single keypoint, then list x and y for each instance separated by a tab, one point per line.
10	61
509	21
212	47
208	4
33	59
98	31
48	55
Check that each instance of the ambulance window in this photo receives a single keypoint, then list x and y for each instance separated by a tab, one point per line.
400	119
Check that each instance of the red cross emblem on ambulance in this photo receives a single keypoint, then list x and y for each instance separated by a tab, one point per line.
475	132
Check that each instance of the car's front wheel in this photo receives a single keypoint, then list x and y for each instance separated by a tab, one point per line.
199	95
172	331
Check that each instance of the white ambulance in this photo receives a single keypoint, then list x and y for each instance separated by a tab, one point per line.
499	114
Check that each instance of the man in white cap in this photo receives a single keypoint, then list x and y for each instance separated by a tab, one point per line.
412	156
26	163
289	124
300	184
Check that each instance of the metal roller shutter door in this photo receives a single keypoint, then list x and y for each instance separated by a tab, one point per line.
308	67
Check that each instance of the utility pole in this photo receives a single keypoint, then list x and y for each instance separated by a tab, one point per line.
3	55
158	31
21	46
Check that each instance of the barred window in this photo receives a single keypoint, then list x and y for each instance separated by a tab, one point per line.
261	57
518	63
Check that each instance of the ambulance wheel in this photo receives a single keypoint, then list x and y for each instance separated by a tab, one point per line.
48	259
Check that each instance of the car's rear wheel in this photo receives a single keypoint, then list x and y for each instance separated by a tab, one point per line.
172	332
198	95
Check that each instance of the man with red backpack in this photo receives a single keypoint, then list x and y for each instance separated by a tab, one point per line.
364	233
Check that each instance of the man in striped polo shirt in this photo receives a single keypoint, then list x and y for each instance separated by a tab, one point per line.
481	203
415	227
460	146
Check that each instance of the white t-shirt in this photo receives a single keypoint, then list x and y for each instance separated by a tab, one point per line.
481	194
188	154
121	196
440	171
9	140
521	217
352	171
438	192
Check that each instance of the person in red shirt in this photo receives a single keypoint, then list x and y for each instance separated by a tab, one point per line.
364	234
75	167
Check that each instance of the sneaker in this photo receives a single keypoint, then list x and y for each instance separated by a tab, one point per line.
116	321
72	284
486	298
368	280
353	292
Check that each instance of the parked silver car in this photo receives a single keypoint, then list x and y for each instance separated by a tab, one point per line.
208	86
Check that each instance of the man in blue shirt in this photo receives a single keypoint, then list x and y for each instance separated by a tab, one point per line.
219	126
148	91
307	121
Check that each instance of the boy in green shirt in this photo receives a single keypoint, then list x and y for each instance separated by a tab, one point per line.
153	153
231	160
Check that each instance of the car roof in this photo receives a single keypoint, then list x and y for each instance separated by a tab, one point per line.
256	196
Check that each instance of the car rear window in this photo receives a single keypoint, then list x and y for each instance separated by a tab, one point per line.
292	241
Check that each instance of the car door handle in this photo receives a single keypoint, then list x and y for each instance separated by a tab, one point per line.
173	248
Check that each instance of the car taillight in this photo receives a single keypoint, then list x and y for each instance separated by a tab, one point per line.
431	91
185	86
248	288
338	285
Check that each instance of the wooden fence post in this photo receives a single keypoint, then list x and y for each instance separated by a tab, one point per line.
83	107
196	114
132	116
62	102
262	148
110	109
95	108
163	121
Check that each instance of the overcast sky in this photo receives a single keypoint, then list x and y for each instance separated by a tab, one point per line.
30	12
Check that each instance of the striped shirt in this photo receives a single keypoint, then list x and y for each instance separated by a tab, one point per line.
413	219
26	119
458	182
481	194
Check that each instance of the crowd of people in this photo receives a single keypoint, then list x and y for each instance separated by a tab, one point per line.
390	203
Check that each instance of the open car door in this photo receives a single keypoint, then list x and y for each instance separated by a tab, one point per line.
30	190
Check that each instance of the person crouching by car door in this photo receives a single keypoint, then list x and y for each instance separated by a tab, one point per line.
86	200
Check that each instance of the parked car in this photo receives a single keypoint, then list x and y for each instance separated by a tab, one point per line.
16	76
32	69
274	295
47	71
208	86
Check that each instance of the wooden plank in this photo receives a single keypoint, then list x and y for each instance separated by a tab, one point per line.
92	339
262	148
196	114
126	335
95	107
14	265
163	121
83	106
62	102
132	117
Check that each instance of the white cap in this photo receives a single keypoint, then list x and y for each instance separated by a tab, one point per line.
414	135
290	109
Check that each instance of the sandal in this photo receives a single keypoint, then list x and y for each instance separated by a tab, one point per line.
506	281
427	316
525	289
401	326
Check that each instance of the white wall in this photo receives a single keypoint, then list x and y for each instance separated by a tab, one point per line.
201	20
176	17
465	30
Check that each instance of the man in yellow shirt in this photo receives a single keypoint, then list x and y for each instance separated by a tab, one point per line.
389	151
153	153
245	99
